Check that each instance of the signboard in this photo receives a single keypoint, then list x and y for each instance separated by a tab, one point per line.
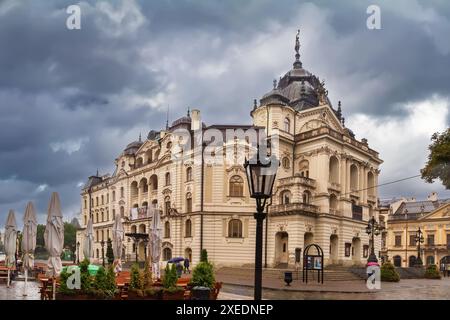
313	262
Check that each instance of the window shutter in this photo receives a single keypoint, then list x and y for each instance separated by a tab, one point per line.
245	231
224	227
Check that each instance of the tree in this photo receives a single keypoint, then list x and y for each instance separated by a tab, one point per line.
40	235
70	235
438	164
109	251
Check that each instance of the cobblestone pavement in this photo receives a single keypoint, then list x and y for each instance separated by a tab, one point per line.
15	291
408	289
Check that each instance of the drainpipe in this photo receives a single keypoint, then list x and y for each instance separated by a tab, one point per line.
201	196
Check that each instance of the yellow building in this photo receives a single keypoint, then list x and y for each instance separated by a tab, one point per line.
325	191
433	218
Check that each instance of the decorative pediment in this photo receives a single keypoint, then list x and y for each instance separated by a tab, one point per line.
122	202
235	169
441	212
167	192
122	173
167	244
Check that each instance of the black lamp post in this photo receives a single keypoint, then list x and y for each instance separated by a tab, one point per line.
373	229
78	251
419	239
102	243
260	178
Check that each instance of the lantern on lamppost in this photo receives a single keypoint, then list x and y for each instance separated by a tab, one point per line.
373	229
261	173
419	239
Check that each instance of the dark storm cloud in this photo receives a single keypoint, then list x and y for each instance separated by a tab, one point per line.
71	100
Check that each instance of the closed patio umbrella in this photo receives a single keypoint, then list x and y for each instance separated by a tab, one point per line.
10	242
118	236
29	240
88	247
54	238
155	246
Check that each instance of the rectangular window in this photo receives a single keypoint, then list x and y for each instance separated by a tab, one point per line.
365	251
412	240
398	241
448	240
347	249
430	239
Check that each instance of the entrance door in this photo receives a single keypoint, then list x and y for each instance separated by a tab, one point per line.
334	249
412	261
281	248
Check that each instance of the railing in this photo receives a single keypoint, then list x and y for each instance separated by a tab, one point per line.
328	131
308	182
334	186
292	208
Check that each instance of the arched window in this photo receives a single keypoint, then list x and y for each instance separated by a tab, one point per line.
103	200
285	197
287	125
96	201
103	235
235	228
430	260
304	168
96	236
154	182
96	217
188	202
167	229
188	228
98	253
333	204
333	170
113	196
107	198
149	156
353	177
133	229
85	219
122	192
103	216
397	261
189	174
286	163
306	197
167	254
142	228
139	162
134	189
167	178
122	212
167	205
236	186
143	185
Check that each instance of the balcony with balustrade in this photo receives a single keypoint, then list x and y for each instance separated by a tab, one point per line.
293	209
334	186
297	180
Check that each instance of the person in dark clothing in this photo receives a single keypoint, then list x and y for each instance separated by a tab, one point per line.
179	268
186	266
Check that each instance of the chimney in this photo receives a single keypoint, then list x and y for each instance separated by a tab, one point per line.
196	122
433	196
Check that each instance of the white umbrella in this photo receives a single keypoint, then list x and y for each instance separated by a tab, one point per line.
54	238
10	242
88	246
29	240
118	237
155	245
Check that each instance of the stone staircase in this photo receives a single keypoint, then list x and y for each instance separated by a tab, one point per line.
332	273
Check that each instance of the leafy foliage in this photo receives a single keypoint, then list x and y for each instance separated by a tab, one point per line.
170	277
388	273
85	277
104	283
203	275
204	256
432	272
135	281
70	235
438	164
109	251
146	278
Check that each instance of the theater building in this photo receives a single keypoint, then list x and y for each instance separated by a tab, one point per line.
324	193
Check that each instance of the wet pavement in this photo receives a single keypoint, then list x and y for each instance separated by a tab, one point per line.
408	289
15	291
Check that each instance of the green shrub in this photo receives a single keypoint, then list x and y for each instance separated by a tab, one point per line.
146	278
63	284
204	256
135	281
388	273
170	277
432	272
85	277
203	275
109	251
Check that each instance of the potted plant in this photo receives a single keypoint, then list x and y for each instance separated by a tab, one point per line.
135	291
141	286
86	284
388	273
432	272
104	286
170	289
202	280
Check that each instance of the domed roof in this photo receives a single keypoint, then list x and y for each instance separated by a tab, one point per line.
134	146
182	120
298	88
274	96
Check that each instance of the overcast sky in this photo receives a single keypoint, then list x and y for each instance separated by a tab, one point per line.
71	100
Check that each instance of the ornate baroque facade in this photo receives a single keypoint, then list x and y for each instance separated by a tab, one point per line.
324	193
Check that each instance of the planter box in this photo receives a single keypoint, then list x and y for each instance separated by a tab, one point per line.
178	295
132	295
60	296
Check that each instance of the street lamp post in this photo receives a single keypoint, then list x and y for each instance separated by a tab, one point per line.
260	178
78	251
373	229
102	243
419	239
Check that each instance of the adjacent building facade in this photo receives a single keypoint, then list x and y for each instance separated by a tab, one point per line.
325	190
405	218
